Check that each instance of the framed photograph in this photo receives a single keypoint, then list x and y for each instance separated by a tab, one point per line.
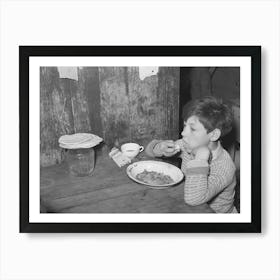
140	139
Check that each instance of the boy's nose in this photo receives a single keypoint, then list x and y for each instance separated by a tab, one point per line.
183	133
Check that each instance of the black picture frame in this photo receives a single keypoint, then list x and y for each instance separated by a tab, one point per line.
254	52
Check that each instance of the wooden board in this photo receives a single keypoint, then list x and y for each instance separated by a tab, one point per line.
111	102
134	110
56	117
64	109
108	190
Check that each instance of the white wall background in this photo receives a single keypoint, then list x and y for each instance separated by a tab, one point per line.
139	256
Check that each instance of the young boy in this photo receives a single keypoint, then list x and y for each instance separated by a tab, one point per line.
208	168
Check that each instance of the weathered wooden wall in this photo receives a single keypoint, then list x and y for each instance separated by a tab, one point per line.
63	110
111	102
139	110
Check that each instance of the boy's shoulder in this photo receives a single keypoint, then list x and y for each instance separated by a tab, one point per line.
223	161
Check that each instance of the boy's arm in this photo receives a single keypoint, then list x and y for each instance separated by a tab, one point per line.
152	149
200	187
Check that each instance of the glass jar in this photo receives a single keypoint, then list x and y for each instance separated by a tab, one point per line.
81	161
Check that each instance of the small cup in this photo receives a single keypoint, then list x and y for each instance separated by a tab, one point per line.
131	150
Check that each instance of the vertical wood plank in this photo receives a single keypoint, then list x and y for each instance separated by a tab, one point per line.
55	115
139	110
168	94
79	103
143	106
92	92
115	116
155	104
63	110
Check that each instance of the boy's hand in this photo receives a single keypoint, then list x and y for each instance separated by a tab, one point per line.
202	153
168	148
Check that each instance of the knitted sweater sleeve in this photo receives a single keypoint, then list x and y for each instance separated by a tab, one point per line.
200	186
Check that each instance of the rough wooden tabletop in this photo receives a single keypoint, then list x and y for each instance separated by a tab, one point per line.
108	190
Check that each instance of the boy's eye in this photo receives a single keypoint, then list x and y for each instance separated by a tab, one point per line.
192	129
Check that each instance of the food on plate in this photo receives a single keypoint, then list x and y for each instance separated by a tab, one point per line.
154	178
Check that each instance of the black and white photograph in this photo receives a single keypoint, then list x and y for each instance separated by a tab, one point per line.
139	140
123	141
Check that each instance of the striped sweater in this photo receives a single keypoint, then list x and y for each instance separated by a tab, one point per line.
213	183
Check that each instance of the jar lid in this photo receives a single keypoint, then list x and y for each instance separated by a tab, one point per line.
79	141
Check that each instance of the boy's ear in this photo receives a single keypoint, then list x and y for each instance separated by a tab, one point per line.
215	134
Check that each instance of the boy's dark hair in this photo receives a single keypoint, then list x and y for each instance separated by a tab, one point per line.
212	113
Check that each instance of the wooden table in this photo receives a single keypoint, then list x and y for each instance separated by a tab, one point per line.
108	190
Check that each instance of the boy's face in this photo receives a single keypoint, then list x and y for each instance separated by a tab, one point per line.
194	134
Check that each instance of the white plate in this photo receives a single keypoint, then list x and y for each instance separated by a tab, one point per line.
158	166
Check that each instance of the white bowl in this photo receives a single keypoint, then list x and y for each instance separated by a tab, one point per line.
158	166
